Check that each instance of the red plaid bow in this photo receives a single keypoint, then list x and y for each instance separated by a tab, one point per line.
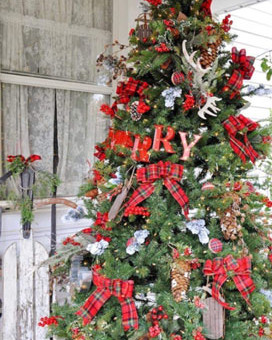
245	70
170	173
106	288
100	154
125	90
239	270
30	159
235	124
206	8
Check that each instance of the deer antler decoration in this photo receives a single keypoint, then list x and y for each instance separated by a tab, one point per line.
209	108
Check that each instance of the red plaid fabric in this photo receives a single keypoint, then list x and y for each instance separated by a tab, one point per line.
125	90
30	159
215	245
235	124
100	154
240	271
206	7
245	70
106	288
171	175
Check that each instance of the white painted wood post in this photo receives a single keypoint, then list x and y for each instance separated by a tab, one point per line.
10	293
25	291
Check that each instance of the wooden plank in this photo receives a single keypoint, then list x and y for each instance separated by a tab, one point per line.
26	261
213	319
10	293
41	284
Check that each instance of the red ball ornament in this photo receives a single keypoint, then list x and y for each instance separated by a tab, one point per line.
215	245
207	186
177	78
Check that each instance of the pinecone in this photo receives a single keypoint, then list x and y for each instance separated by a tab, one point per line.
92	193
208	55
230	226
135	115
180	276
145	337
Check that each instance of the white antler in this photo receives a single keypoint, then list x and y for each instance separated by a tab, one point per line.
209	108
190	59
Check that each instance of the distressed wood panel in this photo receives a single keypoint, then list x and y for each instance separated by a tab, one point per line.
41	282
26	261
10	293
213	319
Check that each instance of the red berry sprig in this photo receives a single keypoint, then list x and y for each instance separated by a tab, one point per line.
49	321
198	336
136	211
157	314
189	102
70	240
162	48
155	2
226	23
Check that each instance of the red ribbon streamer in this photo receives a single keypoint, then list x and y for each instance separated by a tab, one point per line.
106	288
235	124
30	159
239	270
171	175
206	8
245	70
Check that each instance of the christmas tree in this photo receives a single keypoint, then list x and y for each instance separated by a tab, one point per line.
179	247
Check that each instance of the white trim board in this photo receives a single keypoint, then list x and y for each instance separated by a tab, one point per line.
53	84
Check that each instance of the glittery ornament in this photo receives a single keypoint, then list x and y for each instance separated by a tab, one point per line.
215	245
177	78
135	115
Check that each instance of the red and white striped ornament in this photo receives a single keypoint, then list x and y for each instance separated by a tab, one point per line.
207	186
177	78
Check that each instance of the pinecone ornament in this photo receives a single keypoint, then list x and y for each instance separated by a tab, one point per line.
230	226
208	55
180	279
135	115
92	193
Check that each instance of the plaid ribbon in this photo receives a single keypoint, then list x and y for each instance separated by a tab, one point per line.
125	90
239	270
171	175
30	159
245	70
235	124
206	8
106	288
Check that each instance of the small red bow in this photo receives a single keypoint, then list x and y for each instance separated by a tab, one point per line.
171	175
106	288
245	71
26	161
235	124
239	270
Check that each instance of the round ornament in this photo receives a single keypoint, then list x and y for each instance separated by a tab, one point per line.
215	245
207	186
135	115
177	78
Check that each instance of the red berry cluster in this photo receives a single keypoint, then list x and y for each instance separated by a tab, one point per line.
189	102
157	314
270	254
107	110
267	139
136	211
49	321
162	48
199	336
261	331
226	23
87	231
155	2
77	334
70	240
267	202
209	29
187	252
195	264
168	23
176	337
100	237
